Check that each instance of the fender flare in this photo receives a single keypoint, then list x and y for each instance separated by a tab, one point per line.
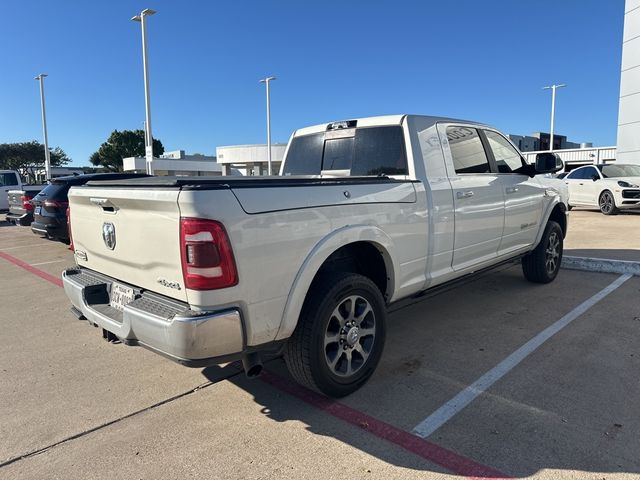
316	258
547	215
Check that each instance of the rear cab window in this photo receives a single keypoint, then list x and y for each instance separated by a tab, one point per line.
8	179
364	151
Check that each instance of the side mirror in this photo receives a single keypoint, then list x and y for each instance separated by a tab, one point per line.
595	178
548	162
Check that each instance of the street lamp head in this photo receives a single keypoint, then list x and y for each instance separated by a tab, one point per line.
145	13
551	87
41	75
267	80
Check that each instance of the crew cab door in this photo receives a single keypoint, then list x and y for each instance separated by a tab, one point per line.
477	196
523	195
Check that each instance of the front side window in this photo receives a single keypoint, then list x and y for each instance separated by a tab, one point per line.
467	151
8	179
589	173
507	158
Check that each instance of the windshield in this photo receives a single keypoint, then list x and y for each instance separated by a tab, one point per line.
613	171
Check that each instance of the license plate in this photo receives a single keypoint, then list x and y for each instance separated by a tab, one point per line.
37	211
120	296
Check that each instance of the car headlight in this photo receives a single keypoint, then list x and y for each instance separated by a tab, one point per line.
624	184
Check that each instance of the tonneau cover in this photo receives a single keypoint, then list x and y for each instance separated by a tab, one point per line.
238	182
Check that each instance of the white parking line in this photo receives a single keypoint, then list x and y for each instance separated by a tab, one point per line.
21	246
47	263
443	414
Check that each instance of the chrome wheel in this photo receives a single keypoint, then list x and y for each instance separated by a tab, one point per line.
606	202
552	253
350	335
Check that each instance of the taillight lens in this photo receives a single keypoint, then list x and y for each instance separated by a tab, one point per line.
206	254
26	202
55	204
69	229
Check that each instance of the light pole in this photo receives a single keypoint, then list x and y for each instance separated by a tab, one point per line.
553	89
266	82
47	158
148	151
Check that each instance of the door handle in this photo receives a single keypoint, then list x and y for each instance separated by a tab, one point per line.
581	184
465	194
512	189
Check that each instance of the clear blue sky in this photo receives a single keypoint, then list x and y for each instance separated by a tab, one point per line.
481	60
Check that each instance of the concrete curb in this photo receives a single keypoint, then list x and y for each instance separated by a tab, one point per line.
602	265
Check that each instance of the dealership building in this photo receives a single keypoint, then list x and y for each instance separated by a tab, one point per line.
629	110
250	159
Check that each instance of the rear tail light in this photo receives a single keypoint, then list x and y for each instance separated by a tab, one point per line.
26	202
206	254
69	229
55	204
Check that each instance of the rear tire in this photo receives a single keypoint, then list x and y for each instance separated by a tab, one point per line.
340	335
543	263
607	203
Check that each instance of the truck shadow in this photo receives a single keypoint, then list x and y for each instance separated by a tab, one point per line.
437	347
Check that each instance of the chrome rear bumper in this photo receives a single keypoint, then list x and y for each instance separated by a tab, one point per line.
164	325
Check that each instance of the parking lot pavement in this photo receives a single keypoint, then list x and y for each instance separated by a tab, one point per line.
82	408
592	234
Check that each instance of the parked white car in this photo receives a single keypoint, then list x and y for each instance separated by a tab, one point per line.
609	187
205	270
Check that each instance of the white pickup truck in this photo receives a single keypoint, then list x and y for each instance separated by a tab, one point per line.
364	213
9	180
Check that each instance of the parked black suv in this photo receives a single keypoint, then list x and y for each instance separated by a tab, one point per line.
50	205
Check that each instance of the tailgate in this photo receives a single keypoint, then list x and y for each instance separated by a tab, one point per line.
130	234
15	201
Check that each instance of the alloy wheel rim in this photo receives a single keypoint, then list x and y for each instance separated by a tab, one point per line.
349	336
552	253
606	202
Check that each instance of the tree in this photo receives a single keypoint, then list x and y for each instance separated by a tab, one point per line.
28	157
119	145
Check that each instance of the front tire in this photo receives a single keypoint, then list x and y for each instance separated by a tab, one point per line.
607	203
543	263
340	335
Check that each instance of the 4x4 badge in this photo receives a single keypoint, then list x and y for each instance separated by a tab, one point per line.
109	235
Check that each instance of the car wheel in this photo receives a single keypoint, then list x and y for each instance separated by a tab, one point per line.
607	203
340	335
543	263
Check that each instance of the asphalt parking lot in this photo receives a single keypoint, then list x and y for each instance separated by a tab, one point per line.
497	378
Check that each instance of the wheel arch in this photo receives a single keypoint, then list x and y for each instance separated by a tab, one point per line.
557	211
367	240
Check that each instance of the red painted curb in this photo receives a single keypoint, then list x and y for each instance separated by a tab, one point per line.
36	271
429	451
423	448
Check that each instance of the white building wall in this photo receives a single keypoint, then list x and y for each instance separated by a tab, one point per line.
629	112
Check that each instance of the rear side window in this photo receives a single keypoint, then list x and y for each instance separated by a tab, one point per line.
8	179
370	151
467	151
54	191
